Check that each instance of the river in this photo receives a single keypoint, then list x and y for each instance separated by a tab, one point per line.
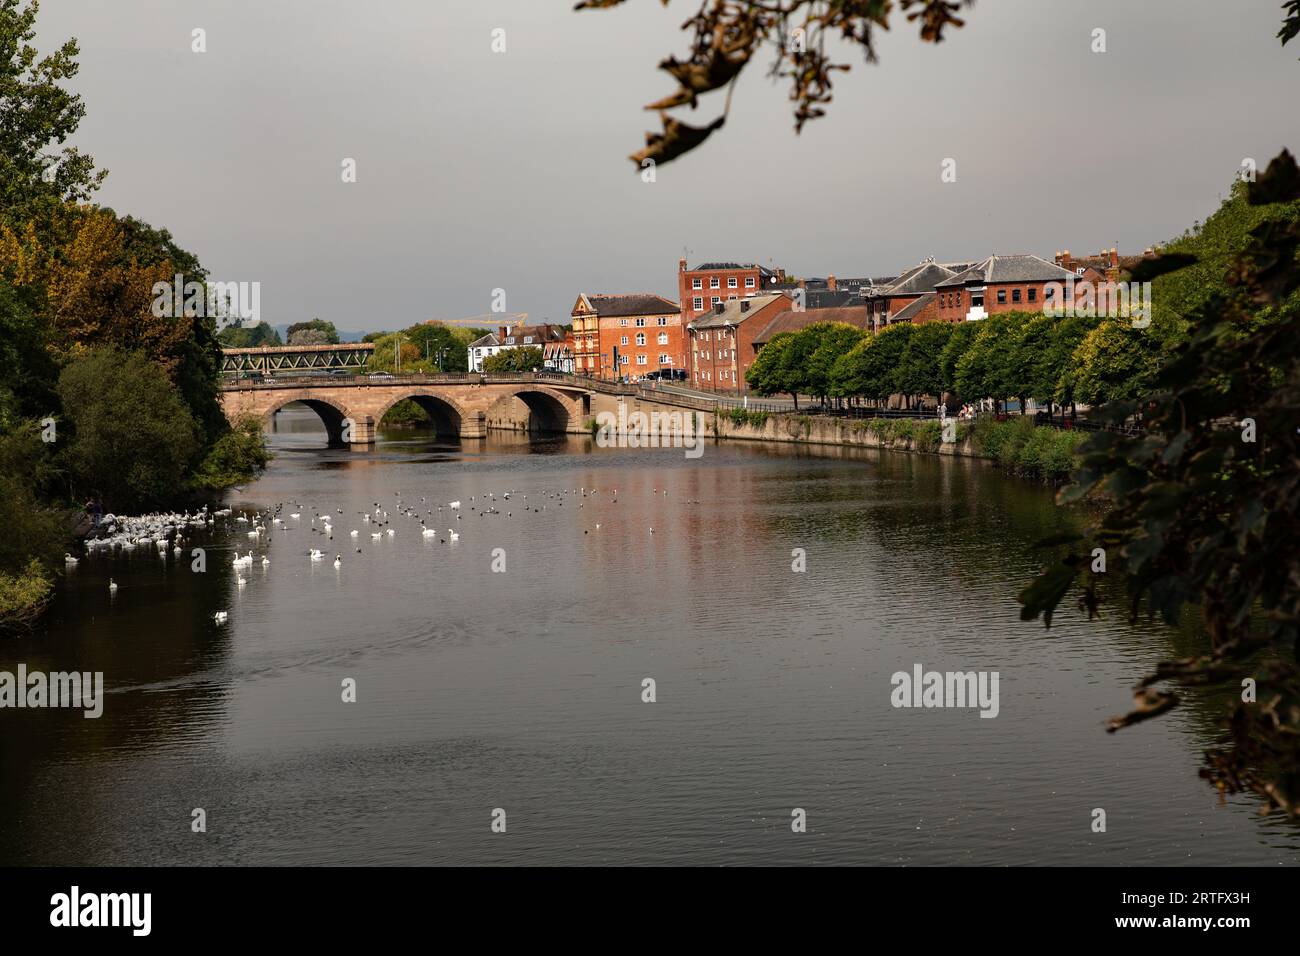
523	690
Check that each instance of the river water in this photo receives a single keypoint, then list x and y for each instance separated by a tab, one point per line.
522	689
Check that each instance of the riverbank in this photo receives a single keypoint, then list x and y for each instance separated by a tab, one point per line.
1017	446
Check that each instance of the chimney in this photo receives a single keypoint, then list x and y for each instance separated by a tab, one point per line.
744	305
830	283
718	309
505	331
801	283
1064	261
1114	257
681	264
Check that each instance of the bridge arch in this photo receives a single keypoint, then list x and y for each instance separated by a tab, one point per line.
331	413
549	410
447	414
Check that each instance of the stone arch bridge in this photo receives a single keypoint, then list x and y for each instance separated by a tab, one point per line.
462	406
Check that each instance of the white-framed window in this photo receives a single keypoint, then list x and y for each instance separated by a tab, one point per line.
641	360
730	297
749	282
697	283
732	282
697	303
662	320
640	323
622	360
622	321
663	338
663	359
640	338
622	340
714	282
715	301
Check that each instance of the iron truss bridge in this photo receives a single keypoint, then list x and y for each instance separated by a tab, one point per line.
286	358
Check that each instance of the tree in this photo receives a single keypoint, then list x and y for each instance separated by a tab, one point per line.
1200	511
315	332
133	439
828	341
248	336
959	340
442	348
869	368
39	116
1115	362
767	375
526	359
919	370
1051	341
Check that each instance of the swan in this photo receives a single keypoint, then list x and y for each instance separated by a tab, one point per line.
266	562
376	536
315	554
338	560
69	560
220	617
241	580
455	535
112	586
454	505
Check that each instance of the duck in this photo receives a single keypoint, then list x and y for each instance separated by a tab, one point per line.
338	560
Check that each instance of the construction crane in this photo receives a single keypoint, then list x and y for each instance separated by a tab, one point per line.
489	320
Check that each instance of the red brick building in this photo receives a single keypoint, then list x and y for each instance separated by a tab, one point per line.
998	284
885	302
618	336
722	341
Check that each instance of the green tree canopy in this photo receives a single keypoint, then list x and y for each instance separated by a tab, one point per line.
315	332
526	359
132	437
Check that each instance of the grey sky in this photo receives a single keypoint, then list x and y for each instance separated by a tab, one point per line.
479	170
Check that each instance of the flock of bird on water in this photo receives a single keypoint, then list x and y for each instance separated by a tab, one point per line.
168	530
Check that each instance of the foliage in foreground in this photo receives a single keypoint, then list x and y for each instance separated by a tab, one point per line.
1201	513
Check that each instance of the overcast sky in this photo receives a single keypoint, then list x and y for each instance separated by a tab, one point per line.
479	170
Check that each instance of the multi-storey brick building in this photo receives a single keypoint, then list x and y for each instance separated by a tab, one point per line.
721	342
702	288
626	336
998	284
886	300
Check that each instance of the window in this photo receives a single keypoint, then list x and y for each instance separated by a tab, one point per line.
640	323
664	360
622	340
715	300
640	360
528	340
732	282
1002	296
1033	294
697	304
640	338
697	283
713	282
662	320
663	338
749	282
1079	271
1015	295
622	321
959	298
622	360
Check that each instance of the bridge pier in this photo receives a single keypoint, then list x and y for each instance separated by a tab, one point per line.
363	432
474	425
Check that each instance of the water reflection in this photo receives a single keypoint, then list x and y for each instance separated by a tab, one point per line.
522	689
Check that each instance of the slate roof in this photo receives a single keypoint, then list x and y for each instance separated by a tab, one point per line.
912	309
638	303
1016	268
790	321
733	314
483	341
